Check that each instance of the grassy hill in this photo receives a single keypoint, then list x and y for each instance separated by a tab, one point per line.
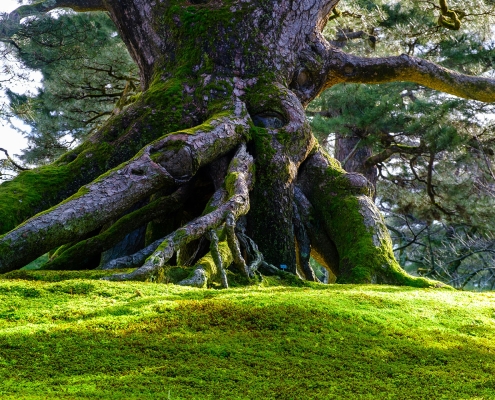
66	337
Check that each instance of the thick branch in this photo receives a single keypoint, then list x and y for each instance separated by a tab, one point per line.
10	22
388	152
48	5
344	67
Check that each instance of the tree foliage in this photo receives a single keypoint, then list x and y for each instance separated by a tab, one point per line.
87	75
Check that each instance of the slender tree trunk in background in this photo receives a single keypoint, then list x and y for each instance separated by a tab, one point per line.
354	153
221	79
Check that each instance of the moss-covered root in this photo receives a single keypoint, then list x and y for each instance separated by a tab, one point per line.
354	224
237	185
207	269
164	164
75	256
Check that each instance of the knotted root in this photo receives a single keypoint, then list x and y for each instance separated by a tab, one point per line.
234	247
75	256
217	258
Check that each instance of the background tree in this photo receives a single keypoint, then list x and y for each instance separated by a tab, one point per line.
220	96
87	75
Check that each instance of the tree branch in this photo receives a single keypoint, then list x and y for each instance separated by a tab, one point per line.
48	5
429	186
10	22
18	166
388	152
343	67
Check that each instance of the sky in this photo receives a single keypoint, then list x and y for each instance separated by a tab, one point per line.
10	139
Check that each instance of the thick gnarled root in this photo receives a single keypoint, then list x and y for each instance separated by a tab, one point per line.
163	165
74	256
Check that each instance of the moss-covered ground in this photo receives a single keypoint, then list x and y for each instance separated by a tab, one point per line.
70	335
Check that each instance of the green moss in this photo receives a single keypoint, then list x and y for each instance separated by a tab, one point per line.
230	181
23	196
284	137
335	169
362	260
263	144
57	276
266	96
36	264
86	339
208	264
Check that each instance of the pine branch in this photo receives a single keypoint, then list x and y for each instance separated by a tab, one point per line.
19	167
343	67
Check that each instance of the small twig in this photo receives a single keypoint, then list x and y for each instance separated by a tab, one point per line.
19	167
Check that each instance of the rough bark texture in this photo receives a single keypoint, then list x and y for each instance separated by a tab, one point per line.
224	82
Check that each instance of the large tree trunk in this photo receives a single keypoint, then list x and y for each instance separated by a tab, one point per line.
221	80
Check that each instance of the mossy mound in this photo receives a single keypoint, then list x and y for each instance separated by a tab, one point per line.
87	338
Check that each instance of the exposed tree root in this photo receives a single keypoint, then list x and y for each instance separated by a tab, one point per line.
279	152
323	250
207	269
234	247
238	183
303	247
74	257
353	223
115	143
217	257
258	263
163	165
